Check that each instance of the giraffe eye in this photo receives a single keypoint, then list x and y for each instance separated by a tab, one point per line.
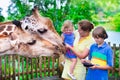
42	31
26	27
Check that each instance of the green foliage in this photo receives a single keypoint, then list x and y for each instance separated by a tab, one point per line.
2	18
74	10
18	10
116	64
109	7
83	10
50	8
116	21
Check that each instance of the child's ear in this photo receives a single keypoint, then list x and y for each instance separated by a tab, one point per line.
105	36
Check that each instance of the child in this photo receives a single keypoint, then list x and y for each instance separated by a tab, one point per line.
101	56
68	37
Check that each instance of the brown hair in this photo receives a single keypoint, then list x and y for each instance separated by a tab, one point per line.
99	32
67	24
85	25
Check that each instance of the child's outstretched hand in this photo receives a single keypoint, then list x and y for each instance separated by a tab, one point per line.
84	60
67	46
95	66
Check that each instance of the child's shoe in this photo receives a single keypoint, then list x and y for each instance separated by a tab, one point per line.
63	63
71	76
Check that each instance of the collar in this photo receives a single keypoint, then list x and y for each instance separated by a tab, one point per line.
103	45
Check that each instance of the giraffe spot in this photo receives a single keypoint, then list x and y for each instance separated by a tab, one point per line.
5	33
9	28
2	28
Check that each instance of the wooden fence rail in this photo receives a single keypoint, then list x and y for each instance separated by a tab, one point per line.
15	67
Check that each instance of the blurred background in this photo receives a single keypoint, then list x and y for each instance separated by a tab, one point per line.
104	13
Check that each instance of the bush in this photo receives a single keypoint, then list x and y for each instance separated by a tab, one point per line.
116	22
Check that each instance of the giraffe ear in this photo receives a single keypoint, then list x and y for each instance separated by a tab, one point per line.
17	23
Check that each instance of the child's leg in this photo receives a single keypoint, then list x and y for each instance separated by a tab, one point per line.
72	66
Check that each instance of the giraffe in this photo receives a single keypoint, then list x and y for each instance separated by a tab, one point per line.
43	26
33	36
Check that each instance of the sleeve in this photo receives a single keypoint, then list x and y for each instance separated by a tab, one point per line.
90	53
110	57
89	43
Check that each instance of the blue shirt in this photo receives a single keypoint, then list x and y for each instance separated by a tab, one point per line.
69	39
106	54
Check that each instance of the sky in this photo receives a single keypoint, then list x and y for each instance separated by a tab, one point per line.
4	5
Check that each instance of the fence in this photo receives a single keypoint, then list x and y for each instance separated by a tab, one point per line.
114	74
14	67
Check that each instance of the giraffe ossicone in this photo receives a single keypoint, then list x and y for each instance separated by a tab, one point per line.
33	36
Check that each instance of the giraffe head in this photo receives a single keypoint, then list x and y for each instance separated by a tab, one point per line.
46	40
36	23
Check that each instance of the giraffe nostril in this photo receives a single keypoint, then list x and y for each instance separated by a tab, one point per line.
31	30
56	47
63	43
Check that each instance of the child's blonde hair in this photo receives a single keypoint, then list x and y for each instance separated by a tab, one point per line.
67	24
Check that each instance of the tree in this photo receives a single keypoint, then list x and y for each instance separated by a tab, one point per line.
57	12
1	17
18	9
116	21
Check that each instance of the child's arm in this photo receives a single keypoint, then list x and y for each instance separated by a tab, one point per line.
84	60
101	67
82	55
62	36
